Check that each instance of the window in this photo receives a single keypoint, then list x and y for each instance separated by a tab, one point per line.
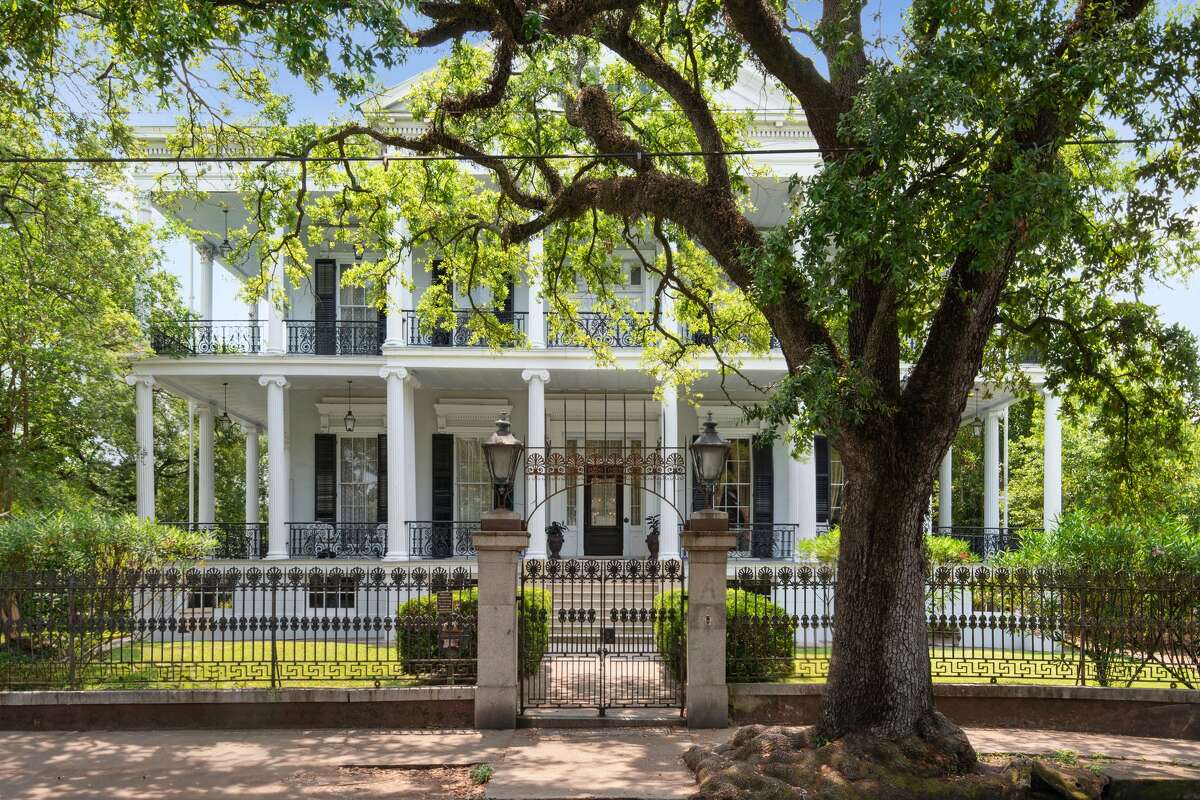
472	484
837	485
735	493
635	276
635	486
358	479
209	595
352	300
575	482
331	592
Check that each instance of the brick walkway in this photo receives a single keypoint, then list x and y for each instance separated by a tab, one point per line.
529	764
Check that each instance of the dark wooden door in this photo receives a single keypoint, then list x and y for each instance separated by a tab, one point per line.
604	513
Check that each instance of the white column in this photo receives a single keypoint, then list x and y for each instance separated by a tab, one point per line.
946	490
399	297
991	470
535	443
204	297
397	467
251	432
537	308
207	500
802	483
1051	461
410	444
276	333
277	489
144	392
668	541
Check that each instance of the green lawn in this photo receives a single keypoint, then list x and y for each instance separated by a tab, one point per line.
232	665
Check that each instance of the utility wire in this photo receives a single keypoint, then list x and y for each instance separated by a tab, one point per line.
285	158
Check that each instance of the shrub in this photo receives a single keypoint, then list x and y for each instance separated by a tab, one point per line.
940	549
417	636
758	635
87	540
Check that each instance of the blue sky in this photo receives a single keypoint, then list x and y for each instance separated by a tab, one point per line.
1178	301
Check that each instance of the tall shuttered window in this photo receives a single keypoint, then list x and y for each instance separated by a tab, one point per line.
472	485
352	300
358	478
735	489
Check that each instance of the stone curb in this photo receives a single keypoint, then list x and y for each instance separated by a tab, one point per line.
996	690
420	694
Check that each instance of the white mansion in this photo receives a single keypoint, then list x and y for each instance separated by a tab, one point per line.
373	426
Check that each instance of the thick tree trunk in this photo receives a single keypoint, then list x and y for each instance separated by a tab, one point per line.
879	682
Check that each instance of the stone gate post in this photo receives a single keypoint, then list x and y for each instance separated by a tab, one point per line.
499	542
708	541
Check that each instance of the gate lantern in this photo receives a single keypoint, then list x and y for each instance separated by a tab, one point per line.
502	451
709	452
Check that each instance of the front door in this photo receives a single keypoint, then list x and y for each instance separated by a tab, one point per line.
604	509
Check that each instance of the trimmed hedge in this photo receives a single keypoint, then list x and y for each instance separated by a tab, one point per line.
758	635
419	630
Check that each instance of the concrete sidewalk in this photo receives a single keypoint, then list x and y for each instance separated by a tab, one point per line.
539	764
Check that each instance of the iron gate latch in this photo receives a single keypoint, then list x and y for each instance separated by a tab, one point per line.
608	636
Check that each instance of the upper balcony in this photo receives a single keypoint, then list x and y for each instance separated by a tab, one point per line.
366	338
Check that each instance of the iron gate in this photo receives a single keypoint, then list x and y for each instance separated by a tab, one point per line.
601	633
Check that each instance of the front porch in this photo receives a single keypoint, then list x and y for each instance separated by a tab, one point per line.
385	464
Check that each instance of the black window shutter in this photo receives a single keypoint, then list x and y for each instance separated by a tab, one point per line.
511	299
821	455
700	494
762	465
441	336
443	495
325	285
325	467
381	486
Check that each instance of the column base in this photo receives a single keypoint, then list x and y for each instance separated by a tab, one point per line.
707	706
276	557
396	557
496	707
531	553
394	343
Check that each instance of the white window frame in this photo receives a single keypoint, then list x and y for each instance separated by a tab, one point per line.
486	482
341	506
366	290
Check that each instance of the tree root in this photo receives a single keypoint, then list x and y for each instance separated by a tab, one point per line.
790	763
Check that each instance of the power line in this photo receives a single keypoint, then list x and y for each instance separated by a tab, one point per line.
286	158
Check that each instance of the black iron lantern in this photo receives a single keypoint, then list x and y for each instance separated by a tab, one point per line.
349	420
225	421
709	452
502	452
225	247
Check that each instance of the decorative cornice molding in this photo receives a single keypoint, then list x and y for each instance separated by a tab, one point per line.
541	374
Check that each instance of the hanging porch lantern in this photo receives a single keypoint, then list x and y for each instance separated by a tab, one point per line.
502	451
349	420
709	453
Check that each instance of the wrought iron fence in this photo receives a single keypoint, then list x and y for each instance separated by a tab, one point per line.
207	338
336	338
234	539
706	339
985	624
985	543
237	627
462	334
337	539
764	540
577	330
441	539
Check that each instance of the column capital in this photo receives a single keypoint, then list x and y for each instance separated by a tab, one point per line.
542	375
278	380
400	372
144	380
250	428
207	251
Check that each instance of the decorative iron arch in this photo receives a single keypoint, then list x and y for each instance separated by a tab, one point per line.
560	472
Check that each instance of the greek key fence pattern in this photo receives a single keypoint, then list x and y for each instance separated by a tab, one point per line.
985	624
229	628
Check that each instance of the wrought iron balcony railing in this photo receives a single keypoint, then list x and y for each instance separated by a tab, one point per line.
462	335
434	539
765	541
235	540
336	338
706	339
207	338
337	539
576	330
985	542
